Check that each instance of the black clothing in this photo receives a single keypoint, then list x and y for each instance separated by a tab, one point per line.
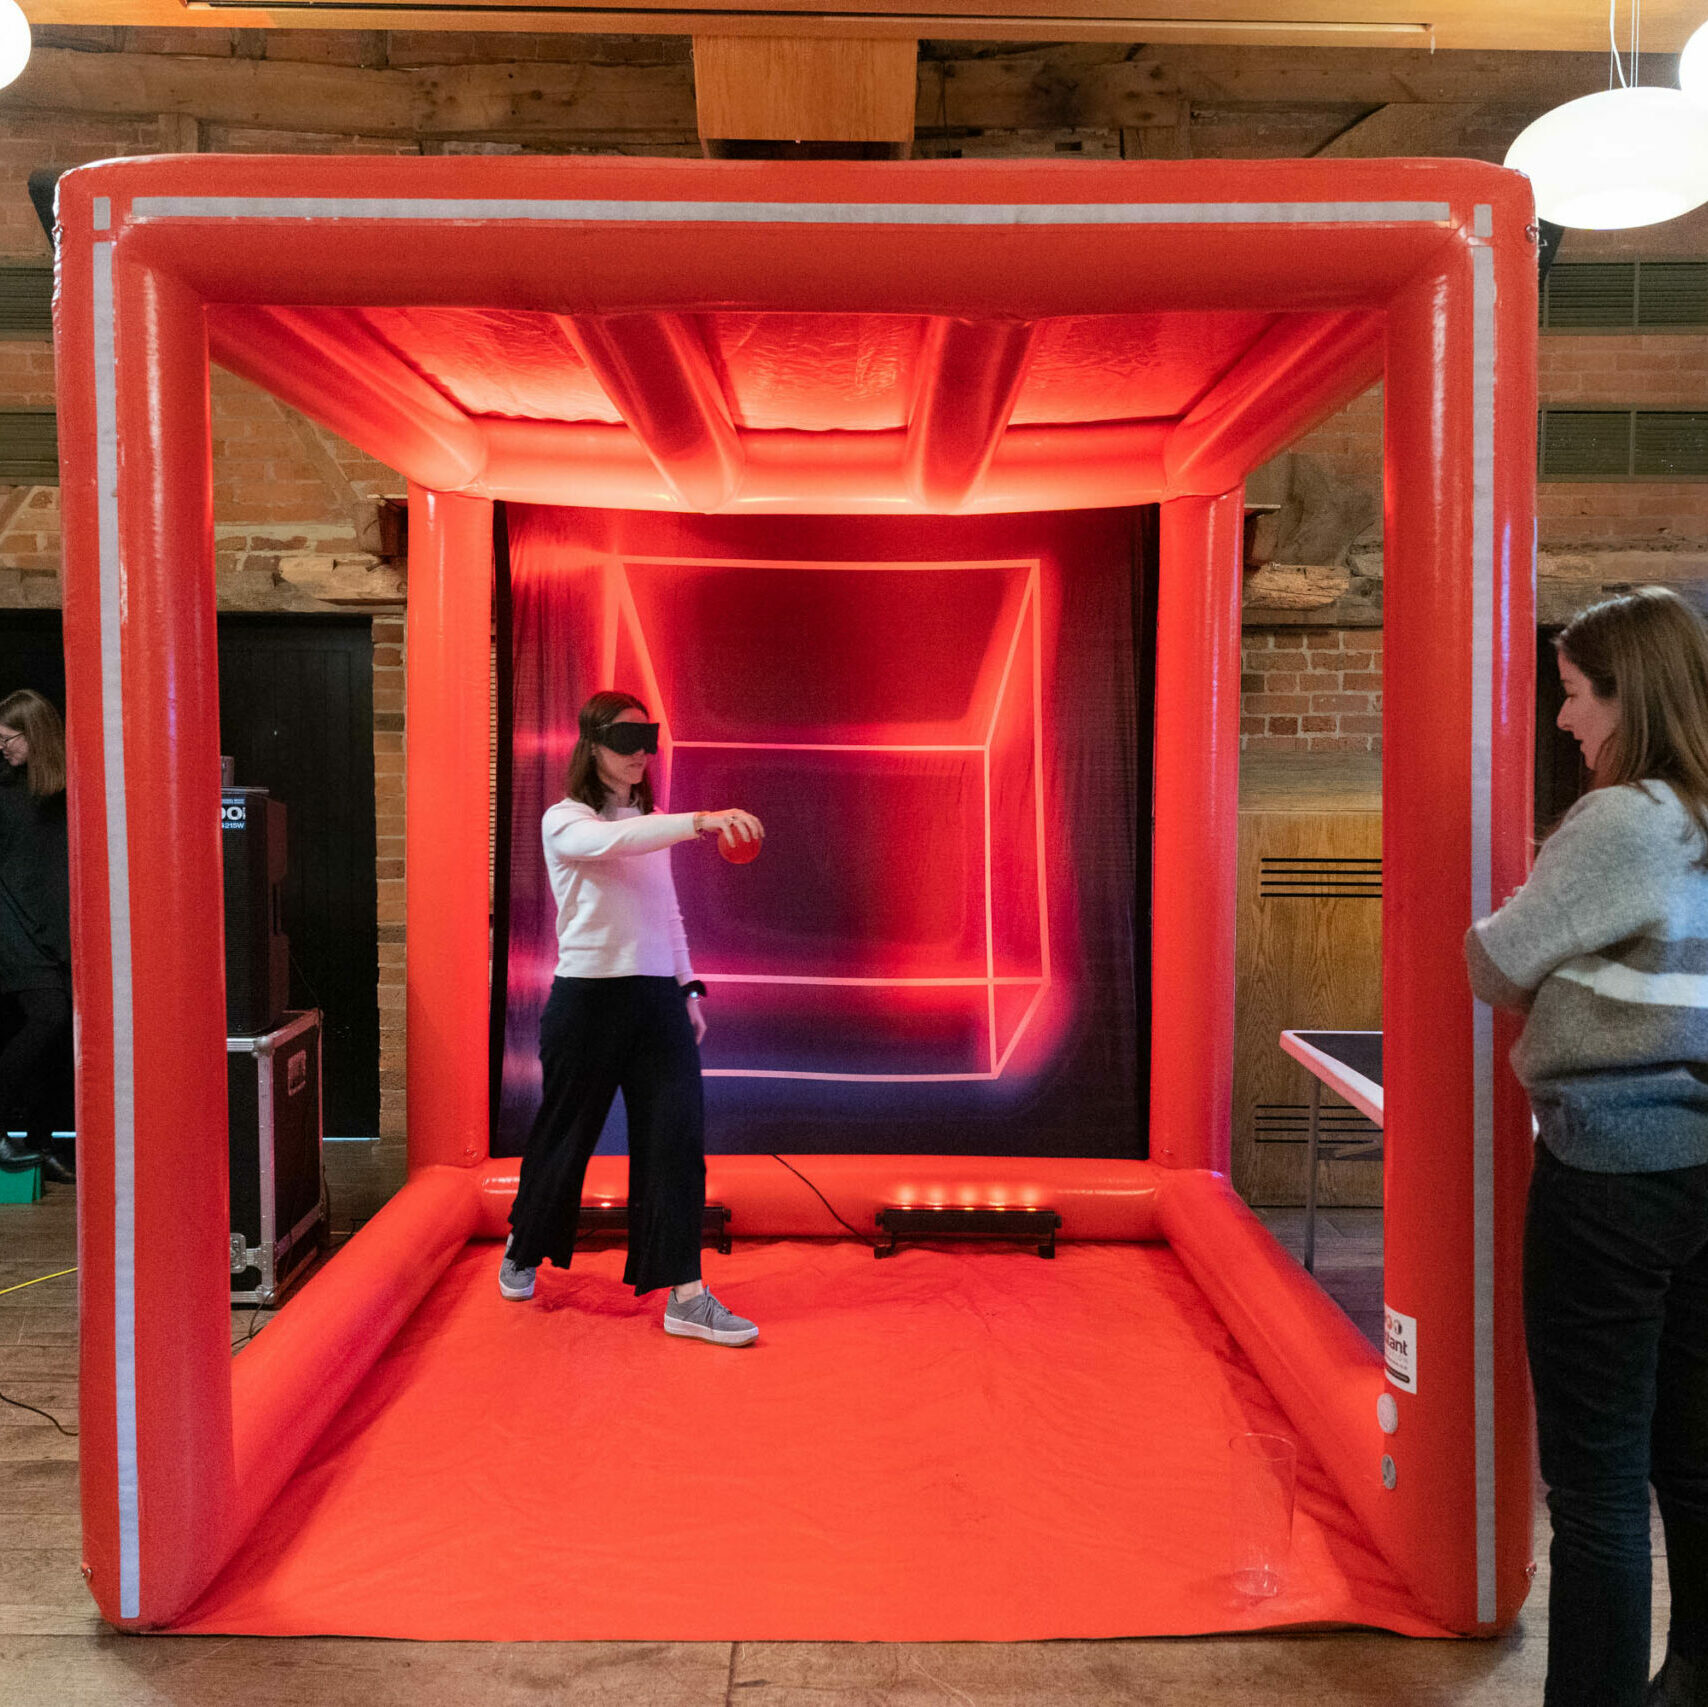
599	1036
34	1061
35	887
1616	1316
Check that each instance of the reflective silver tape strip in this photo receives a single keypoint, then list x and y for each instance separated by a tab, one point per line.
796	213
118	903
1482	900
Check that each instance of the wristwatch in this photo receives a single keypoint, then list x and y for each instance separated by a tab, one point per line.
693	991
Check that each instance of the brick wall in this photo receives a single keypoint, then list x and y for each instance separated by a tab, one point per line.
1349	444
1613	370
1311	690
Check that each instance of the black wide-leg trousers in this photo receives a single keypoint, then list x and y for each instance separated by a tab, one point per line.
28	1059
599	1036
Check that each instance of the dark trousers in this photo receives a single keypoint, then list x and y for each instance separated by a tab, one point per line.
599	1036
31	1061
1616	1317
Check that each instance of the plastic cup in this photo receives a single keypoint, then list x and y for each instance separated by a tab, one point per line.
1265	1467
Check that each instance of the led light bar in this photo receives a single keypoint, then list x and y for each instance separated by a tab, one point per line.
954	1221
611	1220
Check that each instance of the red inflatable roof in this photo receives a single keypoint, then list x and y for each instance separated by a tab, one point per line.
930	337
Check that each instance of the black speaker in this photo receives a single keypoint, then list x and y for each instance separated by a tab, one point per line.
257	951
1547	247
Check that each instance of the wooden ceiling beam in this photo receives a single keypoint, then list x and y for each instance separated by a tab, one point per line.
1516	25
291	95
1237	76
1034	90
797	89
1405	130
325	89
1037	92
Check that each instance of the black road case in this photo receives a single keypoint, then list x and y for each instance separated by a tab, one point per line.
278	1208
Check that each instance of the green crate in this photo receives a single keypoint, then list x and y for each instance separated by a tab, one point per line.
21	1184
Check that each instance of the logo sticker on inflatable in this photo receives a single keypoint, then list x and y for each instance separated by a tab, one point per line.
1399	1348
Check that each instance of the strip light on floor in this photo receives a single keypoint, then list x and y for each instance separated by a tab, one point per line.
609	1219
934	1221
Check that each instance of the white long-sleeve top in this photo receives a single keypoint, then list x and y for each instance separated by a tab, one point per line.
617	915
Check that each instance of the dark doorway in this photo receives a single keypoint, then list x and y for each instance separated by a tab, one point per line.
31	656
296	713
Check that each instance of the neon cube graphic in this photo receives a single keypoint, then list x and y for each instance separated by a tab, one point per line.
885	721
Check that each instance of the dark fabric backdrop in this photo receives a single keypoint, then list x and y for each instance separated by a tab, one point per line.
944	724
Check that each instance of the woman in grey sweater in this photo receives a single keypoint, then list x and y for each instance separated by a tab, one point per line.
1605	949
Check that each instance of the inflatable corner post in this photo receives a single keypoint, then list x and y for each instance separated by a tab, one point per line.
1419	272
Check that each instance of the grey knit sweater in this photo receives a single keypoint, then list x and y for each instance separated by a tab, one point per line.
1606	949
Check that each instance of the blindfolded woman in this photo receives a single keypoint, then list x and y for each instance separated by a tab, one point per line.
624	1014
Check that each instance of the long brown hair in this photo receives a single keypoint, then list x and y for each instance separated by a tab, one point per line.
36	720
1649	650
584	782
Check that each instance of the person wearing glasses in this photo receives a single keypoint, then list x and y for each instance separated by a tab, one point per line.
624	1014
35	927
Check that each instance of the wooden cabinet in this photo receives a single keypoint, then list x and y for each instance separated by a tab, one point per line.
1309	955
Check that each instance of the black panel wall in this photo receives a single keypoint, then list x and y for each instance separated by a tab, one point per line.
296	713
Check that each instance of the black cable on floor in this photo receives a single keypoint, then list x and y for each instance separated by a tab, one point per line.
253	1330
862	1237
69	1433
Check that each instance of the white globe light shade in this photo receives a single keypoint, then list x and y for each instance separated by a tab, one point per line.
14	41
1617	159
1693	68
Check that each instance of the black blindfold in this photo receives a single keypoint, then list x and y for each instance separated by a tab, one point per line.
629	738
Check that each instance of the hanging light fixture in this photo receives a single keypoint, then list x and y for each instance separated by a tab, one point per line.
14	40
1623	157
1616	159
1693	68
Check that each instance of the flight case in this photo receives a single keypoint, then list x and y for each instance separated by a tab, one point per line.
278	1206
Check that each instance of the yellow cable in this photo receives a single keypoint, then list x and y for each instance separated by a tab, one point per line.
58	1275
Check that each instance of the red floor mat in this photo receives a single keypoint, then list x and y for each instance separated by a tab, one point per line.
952	1444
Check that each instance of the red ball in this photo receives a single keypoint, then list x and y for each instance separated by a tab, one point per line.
736	850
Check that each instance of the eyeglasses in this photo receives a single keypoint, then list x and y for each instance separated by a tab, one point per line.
7	740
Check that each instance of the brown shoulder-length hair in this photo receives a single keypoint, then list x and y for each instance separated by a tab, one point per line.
584	782
36	720
1649	650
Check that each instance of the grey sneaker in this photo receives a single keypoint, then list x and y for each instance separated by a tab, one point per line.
704	1318
514	1282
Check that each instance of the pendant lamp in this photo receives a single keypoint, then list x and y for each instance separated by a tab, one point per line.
1620	158
14	40
1693	68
